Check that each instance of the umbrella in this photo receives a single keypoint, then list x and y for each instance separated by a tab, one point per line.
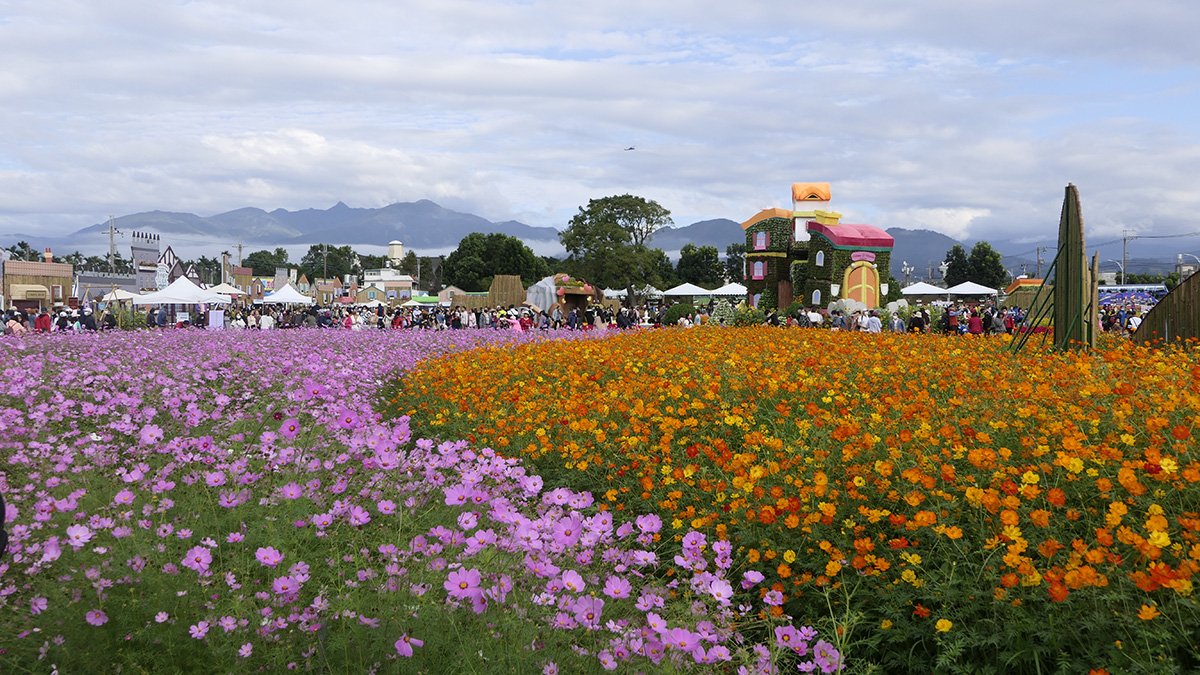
118	295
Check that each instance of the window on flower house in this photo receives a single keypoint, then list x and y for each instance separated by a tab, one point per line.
760	241
820	260
816	298
759	270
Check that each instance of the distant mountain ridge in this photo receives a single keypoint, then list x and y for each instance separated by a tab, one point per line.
420	224
426	226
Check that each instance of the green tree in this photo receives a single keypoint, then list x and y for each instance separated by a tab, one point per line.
987	266
410	264
479	257
23	251
263	263
958	268
373	262
324	261
735	262
605	241
700	265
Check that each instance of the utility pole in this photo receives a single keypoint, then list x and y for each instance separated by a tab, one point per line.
1039	260
1126	235
239	255
325	261
112	243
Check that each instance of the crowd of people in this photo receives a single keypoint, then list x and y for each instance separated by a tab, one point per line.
957	319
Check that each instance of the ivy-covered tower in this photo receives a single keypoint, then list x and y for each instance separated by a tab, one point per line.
807	253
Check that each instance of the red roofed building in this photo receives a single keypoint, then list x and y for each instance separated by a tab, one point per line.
808	254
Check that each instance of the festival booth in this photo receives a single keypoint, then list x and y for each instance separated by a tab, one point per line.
687	292
287	295
566	292
118	295
970	289
181	292
923	292
730	289
226	289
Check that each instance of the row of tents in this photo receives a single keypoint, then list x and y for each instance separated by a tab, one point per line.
966	288
682	290
183	292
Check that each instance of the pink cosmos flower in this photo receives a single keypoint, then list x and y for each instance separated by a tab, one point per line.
289	428
616	587
750	578
359	515
38	605
268	556
721	590
150	434
572	581
78	535
681	639
198	558
246	650
161	617
463	584
649	523
124	497
347	419
285	585
214	478
291	491
198	630
386	506
587	611
96	617
404	646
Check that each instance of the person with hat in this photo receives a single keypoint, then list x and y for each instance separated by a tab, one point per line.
88	321
15	324
63	322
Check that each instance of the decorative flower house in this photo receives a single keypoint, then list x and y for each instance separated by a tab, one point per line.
808	254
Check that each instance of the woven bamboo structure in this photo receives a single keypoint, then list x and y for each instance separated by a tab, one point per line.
1175	319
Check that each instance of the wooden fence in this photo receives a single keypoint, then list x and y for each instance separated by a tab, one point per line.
1176	318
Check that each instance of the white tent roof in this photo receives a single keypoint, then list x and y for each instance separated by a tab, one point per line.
615	292
226	289
970	288
287	296
117	295
181	292
733	288
687	289
372	304
922	288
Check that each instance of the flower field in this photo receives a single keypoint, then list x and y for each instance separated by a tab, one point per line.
943	504
187	501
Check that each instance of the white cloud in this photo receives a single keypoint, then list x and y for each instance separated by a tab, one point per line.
968	118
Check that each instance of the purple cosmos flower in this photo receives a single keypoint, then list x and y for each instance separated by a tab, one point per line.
680	638
463	584
268	556
617	587
198	558
289	428
291	491
359	515
78	535
572	581
198	630
96	617
587	611
404	646
246	650
285	585
38	605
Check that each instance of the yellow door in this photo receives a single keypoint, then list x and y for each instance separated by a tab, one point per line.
861	283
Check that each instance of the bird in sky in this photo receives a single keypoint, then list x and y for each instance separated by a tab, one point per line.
630	148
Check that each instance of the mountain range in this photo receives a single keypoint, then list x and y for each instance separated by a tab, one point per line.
429	228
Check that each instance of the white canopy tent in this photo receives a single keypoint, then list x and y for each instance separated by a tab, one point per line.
687	289
287	295
970	288
615	292
922	288
226	289
733	288
181	292
118	295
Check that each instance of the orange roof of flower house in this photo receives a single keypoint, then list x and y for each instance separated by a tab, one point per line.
1019	283
810	192
845	235
767	213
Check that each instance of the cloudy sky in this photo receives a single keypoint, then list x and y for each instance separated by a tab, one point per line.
964	117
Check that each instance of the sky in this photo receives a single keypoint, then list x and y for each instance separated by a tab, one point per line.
968	118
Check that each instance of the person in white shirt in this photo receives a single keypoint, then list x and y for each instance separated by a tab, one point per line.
266	321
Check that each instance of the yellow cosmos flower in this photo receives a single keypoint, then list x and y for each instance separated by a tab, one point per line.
944	625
